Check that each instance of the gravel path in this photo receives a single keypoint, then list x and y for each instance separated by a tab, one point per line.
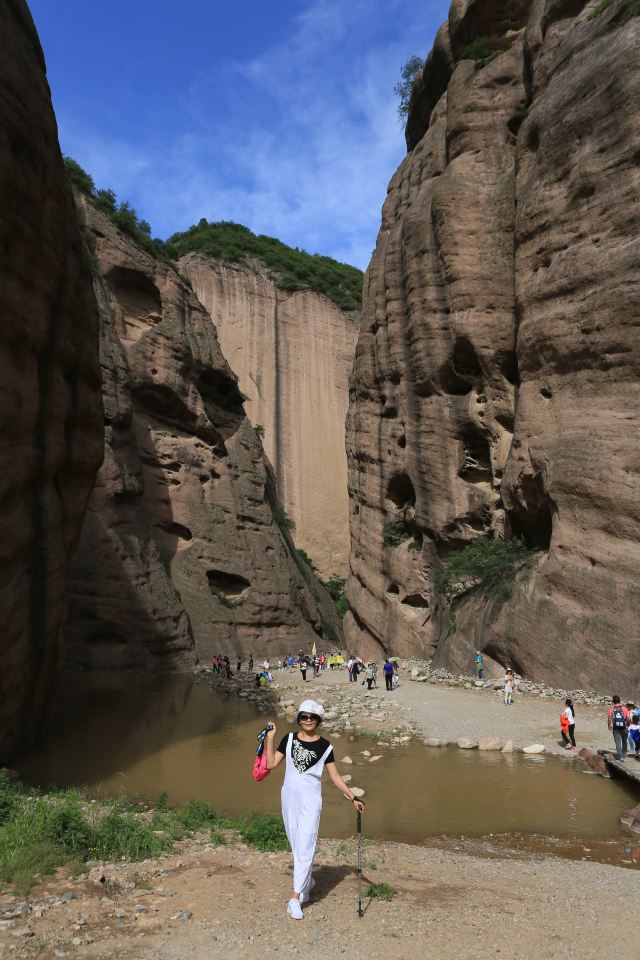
230	902
439	710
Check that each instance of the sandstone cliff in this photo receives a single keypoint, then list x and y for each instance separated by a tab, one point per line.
496	380
179	555
293	354
50	410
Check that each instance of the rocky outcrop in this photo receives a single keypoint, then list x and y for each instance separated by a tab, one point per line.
180	555
496	380
293	354
51	416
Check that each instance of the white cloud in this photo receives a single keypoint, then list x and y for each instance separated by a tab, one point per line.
307	140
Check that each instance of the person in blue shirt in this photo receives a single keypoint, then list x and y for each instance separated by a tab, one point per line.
479	665
388	674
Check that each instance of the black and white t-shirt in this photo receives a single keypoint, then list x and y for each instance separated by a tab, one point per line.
305	755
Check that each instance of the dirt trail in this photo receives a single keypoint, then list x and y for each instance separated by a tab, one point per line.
229	901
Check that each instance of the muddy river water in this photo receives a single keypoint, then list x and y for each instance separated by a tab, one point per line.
140	736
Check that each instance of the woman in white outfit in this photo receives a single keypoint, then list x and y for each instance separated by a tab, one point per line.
307	755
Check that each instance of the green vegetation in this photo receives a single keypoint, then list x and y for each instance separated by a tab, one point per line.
380	891
292	268
259	429
396	532
39	833
265	832
335	587
283	519
403	90
479	51
484	564
304	556
123	214
600	8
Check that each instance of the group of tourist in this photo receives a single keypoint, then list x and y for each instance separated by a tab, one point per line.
624	722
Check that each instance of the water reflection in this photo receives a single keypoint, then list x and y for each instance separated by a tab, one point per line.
143	735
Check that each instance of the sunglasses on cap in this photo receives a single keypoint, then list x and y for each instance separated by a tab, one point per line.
308	716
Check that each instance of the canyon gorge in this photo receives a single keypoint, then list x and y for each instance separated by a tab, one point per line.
173	422
495	389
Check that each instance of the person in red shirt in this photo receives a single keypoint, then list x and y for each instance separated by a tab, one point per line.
618	722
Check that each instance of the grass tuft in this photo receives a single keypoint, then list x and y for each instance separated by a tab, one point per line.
380	891
265	832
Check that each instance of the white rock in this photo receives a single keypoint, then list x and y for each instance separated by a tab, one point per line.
365	753
373	759
357	791
434	742
347	778
346	760
466	743
534	748
508	747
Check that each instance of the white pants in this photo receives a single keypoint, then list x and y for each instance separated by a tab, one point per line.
301	809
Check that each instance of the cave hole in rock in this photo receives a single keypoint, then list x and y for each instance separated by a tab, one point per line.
532	520
223	400
400	491
390	413
546	393
136	293
415	600
476	464
230	585
393	590
402	442
462	370
176	530
507	363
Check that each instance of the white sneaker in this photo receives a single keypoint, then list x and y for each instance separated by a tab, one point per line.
305	896
295	910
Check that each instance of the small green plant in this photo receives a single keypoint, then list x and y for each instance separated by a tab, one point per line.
484	564
404	88
479	51
335	587
162	801
379	891
600	8
265	832
304	556
229	602
283	519
631	10
395	533
259	429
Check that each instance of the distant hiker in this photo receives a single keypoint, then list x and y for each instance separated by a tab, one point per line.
239	665
388	674
568	725
303	667
369	675
350	663
634	734
479	665
250	663
618	722
306	754
508	688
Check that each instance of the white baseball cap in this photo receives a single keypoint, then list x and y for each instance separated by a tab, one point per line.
310	706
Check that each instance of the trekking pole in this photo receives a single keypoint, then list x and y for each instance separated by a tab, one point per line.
359	838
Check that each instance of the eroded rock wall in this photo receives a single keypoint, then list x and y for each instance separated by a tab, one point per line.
180	555
50	409
293	353
496	380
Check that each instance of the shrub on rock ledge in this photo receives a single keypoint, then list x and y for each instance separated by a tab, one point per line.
485	564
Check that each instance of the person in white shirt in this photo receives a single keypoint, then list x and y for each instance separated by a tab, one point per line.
571	717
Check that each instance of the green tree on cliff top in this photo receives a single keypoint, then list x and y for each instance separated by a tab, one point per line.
404	88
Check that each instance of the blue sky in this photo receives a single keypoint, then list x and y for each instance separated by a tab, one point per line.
278	114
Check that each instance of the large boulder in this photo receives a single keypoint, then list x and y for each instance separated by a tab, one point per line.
51	408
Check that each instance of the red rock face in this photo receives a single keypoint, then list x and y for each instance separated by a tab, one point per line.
51	408
495	388
180	556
